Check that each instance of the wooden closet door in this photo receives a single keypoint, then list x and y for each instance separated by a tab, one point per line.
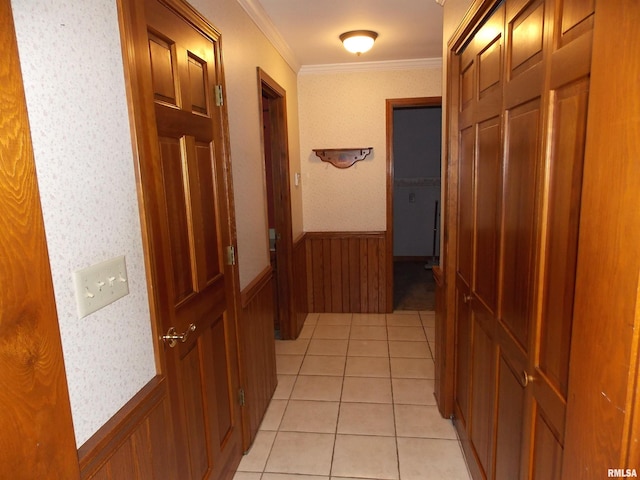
523	85
479	200
568	75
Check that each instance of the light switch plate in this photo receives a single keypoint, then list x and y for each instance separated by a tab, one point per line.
99	285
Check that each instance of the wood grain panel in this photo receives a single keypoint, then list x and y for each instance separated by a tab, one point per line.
521	150
574	12
490	65
162	71
466	85
136	442
510	421
482	395
171	164
348	272
547	452
36	430
463	334
191	383
198	84
602	425
300	290
465	203
527	33
207	221
258	350
565	188
487	204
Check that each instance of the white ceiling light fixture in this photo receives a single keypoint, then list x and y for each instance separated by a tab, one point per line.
358	41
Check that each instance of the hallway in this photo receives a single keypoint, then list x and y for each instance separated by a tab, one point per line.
355	401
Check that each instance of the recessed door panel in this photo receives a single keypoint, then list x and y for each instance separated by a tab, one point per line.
511	418
519	223
465	200
565	187
487	229
482	395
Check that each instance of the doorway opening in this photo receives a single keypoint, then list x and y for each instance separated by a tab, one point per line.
273	117
414	141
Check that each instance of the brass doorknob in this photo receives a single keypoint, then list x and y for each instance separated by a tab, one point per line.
526	378
171	338
466	298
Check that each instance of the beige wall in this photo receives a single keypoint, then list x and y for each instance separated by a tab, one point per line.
347	109
244	48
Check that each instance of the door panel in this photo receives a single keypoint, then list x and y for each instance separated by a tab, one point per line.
487	229
186	197
510	420
547	452
568	127
483	395
521	166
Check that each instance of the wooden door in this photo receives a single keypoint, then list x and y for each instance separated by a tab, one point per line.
273	105
523	89
565	120
36	432
186	195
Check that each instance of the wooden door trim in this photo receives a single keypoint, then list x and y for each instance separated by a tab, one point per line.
142	120
34	377
281	182
603	418
391	105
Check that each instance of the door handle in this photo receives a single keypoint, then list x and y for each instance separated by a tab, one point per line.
171	338
526	379
466	298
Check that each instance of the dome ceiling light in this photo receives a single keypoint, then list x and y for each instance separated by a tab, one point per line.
358	41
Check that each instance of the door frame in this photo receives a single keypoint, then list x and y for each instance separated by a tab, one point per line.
391	105
277	95
142	121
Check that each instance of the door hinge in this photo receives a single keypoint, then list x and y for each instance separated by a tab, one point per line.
241	397
218	93
231	255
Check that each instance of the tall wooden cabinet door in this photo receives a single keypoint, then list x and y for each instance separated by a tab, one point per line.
186	192
526	34
479	181
569	66
36	431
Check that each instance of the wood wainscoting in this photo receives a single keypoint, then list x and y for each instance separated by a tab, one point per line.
299	287
257	351
346	272
136	443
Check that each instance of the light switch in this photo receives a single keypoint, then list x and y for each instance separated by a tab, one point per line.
99	285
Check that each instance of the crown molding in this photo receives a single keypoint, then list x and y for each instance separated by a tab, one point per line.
371	66
259	16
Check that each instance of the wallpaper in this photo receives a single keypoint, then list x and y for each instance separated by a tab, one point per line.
74	85
244	48
349	110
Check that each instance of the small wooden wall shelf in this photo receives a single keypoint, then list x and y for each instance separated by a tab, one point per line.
342	157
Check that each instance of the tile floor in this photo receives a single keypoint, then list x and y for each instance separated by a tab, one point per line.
355	401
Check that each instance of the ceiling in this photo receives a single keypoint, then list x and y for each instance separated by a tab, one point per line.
306	31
